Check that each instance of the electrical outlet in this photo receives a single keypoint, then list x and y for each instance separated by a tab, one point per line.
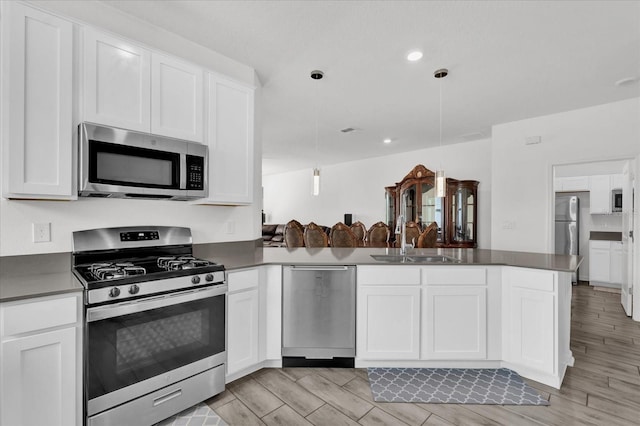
41	232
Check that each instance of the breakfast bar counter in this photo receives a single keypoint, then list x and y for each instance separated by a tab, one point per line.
237	255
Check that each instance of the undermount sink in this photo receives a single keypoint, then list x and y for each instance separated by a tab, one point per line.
395	258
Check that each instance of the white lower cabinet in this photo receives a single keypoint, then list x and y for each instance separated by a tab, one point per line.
530	319
242	320
606	263
454	324
388	322
41	362
531	328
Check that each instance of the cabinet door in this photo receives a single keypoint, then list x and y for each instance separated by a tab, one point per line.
575	183
38	379
600	194
454	324
616	265
242	330
388	322
530	329
599	264
176	99
117	82
38	145
230	138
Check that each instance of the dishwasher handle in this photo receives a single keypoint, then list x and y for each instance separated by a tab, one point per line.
319	268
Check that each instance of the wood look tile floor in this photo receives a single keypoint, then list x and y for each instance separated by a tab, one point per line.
603	388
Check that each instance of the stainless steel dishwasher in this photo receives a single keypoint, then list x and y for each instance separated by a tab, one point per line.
318	316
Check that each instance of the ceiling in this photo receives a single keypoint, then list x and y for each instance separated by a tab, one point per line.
508	60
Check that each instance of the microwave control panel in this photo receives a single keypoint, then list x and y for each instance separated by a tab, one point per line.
195	172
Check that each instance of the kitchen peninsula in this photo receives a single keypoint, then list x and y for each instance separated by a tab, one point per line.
491	308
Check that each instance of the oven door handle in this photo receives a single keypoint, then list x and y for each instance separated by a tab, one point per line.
109	311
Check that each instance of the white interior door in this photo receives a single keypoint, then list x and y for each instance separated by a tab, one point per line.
626	295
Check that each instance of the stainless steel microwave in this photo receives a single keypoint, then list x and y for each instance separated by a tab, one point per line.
120	163
616	201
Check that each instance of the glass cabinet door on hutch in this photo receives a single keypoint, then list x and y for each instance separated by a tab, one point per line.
463	212
455	214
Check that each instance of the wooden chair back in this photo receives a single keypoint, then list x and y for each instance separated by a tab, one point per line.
378	235
429	236
359	230
314	236
342	236
293	234
412	235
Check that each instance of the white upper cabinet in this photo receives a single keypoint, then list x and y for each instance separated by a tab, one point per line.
600	195
230	132
176	98
572	183
133	88
37	129
117	82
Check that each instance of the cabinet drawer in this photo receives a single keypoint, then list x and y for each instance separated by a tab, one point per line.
603	245
38	315
533	279
388	275
242	280
457	275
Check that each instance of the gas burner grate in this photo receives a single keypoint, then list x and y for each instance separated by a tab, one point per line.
177	263
110	271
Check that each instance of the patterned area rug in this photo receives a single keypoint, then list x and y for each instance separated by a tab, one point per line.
198	415
452	386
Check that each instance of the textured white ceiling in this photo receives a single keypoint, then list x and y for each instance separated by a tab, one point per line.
508	60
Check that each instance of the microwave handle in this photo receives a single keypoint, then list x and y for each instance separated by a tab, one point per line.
183	171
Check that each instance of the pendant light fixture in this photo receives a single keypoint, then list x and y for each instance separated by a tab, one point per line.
440	177
316	75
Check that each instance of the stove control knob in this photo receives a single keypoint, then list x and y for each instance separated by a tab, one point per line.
134	289
195	279
114	292
208	277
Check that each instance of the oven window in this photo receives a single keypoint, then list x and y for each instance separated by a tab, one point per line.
116	164
131	348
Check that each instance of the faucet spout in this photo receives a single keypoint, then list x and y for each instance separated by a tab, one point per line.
401	226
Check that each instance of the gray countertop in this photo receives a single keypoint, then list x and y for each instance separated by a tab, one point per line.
605	236
240	257
47	274
36	275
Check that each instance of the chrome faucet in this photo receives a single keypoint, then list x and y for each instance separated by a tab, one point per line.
401	226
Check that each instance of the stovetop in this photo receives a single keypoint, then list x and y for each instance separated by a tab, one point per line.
115	264
134	270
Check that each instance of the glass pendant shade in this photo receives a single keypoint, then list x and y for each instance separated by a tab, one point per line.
440	183
316	182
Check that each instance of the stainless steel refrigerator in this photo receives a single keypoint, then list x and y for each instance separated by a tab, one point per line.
568	227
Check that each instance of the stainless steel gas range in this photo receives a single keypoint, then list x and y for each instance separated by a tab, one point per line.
154	323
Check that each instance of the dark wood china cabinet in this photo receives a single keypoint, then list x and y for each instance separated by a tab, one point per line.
456	214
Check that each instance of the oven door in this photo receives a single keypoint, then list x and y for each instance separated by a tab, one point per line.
133	348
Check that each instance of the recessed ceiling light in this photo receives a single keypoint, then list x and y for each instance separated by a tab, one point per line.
416	55
626	81
387	140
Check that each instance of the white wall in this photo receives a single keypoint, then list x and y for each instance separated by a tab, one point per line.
358	187
521	179
208	223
